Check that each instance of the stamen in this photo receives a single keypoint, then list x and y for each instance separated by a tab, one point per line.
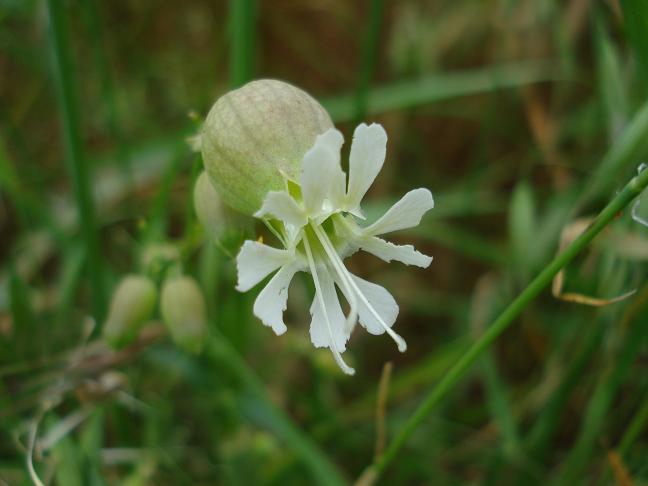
347	280
342	272
400	342
273	230
336	354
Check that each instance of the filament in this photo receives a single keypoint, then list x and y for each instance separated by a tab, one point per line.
347	280
338	266
336	354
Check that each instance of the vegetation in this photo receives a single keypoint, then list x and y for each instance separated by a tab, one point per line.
528	336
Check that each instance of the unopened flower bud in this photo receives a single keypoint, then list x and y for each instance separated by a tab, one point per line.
256	136
184	312
132	305
208	206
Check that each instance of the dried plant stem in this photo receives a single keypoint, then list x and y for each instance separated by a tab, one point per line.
381	406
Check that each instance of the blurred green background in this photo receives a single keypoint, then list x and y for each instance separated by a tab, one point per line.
520	116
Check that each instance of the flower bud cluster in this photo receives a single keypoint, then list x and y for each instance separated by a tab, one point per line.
135	302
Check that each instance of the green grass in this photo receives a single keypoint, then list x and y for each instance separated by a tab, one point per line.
521	117
369	57
508	317
74	157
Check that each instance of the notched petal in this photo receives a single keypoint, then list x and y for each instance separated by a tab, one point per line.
320	174
332	139
273	299
280	205
366	159
379	298
406	213
383	303
388	251
318	329
256	261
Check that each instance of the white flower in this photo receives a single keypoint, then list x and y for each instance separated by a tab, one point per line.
315	219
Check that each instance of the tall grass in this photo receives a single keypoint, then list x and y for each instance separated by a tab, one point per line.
79	172
631	191
522	117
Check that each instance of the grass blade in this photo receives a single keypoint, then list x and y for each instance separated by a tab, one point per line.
508	316
76	165
94	28
631	144
437	87
369	56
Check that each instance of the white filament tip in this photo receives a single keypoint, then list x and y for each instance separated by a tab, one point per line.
400	342
340	362
402	345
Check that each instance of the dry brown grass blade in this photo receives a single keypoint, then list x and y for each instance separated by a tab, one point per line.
381	406
569	234
368	477
619	469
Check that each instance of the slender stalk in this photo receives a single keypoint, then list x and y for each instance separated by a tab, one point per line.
76	165
369	56
242	38
508	316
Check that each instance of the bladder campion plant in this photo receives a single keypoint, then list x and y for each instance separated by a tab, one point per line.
271	151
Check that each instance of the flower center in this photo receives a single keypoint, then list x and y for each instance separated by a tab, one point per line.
320	250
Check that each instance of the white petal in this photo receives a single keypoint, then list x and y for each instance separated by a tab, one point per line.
406	213
318	329
380	299
333	140
388	251
256	261
280	205
365	161
321	169
383	303
272	301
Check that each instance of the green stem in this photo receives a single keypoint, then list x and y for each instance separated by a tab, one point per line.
76	165
242	38
508	316
369	56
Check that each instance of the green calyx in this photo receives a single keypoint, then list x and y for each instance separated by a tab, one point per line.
254	138
132	305
184	312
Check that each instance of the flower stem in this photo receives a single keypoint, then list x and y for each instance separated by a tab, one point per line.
370	47
508	316
242	19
